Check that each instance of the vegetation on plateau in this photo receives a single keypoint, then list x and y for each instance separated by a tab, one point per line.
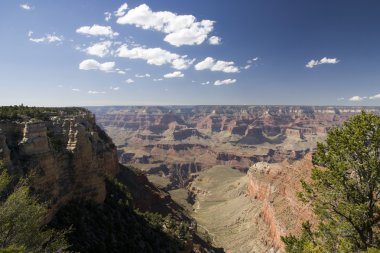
20	112
344	191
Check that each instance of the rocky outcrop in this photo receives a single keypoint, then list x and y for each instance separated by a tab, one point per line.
274	187
188	132
67	157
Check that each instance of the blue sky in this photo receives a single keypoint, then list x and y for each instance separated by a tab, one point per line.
85	52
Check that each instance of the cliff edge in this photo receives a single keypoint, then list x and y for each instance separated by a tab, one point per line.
65	153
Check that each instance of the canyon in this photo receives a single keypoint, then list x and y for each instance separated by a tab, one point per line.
70	165
235	169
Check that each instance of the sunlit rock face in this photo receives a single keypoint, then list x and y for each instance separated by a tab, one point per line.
66	157
176	141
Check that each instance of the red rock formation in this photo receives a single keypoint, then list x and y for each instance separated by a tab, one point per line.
275	187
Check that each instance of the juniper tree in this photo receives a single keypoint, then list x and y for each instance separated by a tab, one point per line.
344	191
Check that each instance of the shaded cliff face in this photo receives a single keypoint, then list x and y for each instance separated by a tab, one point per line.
67	156
174	142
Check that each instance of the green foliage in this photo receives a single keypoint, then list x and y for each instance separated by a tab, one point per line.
5	179
116	226
19	112
344	191
21	218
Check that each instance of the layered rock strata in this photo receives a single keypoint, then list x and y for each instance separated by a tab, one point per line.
67	158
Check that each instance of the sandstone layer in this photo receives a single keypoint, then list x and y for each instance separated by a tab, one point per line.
67	157
174	142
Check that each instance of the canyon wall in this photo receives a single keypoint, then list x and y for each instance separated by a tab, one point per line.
176	141
66	157
274	187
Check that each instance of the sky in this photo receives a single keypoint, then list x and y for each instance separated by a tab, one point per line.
175	52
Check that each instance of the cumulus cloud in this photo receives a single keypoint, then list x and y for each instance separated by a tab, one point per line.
100	49
225	82
377	96
75	90
121	72
97	30
214	40
129	81
155	56
356	98
205	83
25	7
91	64
121	11
248	66
96	92
48	38
142	75
214	65
180	29
175	74
107	16
157	79
115	88
312	63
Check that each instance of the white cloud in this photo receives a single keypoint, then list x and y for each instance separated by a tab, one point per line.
26	7
174	74
96	92
155	56
100	49
121	72
76	90
213	65
253	60
91	64
114	88
225	82
142	75
180	29
107	16
205	83
356	98
312	63
214	40
97	30
340	99
377	96
182	63
121	11
248	66
129	81
48	38
157	79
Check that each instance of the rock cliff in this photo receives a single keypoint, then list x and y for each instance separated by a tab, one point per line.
274	188
67	156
